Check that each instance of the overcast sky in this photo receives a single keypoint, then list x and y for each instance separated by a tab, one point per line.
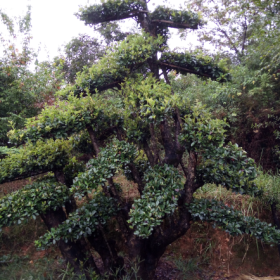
54	22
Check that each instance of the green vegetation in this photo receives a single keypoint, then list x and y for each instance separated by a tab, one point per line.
22	92
169	121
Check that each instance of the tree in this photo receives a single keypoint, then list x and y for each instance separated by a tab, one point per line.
125	118
230	25
22	91
79	53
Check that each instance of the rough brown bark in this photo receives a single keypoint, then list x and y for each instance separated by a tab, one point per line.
171	155
148	153
146	253
93	139
154	144
106	248
137	178
190	186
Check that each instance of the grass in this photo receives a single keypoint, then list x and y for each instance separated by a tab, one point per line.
187	268
22	268
270	183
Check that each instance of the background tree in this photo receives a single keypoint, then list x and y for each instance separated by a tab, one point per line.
142	127
22	91
250	101
78	53
230	25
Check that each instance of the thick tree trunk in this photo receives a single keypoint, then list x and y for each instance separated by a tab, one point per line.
106	248
149	263
171	155
146	253
73	252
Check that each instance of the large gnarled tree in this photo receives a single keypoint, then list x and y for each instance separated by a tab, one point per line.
166	146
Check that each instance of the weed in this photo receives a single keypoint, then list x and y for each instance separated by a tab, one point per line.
127	272
131	270
187	268
22	269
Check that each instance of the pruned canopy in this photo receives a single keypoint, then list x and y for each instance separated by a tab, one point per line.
166	146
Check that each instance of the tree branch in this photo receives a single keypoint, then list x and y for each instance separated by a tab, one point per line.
244	36
93	139
230	41
171	156
124	16
157	158
190	186
175	67
137	178
173	24
148	152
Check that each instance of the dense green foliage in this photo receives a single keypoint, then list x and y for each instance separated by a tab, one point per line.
163	14
110	10
32	201
35	159
203	66
108	163
118	63
67	117
151	130
83	222
22	91
78	54
159	198
233	221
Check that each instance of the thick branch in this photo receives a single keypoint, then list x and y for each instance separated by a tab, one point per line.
184	168
175	67
171	156
177	119
93	139
173	24
244	36
102	88
130	14
137	178
71	205
230	41
190	186
109	257
149	153
154	144
73	252
25	175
